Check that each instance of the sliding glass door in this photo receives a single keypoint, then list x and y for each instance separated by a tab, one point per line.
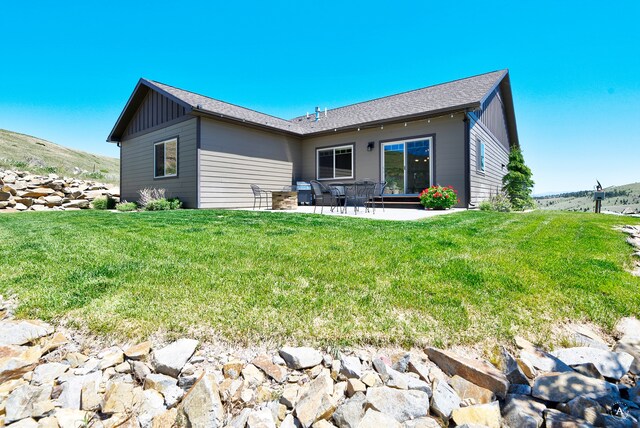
406	165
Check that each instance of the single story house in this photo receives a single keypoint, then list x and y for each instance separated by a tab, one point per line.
207	152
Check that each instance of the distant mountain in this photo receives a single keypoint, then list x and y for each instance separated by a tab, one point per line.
24	152
619	199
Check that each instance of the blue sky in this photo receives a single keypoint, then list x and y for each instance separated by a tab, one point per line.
68	68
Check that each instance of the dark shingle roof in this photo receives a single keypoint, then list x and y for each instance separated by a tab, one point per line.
217	107
445	97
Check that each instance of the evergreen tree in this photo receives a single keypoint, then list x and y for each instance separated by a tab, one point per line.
517	183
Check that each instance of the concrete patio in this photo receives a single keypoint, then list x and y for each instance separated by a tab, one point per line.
399	214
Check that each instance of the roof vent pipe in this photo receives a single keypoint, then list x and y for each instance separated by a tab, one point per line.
317	113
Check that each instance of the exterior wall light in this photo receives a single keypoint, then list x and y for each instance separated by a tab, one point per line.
370	146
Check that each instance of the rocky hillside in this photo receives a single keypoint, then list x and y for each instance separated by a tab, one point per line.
22	191
621	199
19	151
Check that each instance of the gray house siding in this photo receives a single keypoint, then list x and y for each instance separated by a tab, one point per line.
137	169
492	115
447	151
234	156
487	183
155	110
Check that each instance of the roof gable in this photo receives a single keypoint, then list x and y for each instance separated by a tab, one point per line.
141	110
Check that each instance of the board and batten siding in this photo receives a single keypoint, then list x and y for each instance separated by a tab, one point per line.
137	164
155	110
232	157
492	115
487	183
447	151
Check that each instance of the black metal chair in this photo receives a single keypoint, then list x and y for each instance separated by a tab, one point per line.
258	193
379	192
321	193
367	191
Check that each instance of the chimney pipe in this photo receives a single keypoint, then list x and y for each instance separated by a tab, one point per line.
317	113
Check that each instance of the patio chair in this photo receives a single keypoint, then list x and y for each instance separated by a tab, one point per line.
321	193
258	194
368	192
379	192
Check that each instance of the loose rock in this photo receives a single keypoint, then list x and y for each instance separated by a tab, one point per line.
562	387
613	365
478	372
481	414
171	359
300	358
401	405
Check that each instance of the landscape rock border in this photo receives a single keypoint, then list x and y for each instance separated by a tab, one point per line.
45	381
22	191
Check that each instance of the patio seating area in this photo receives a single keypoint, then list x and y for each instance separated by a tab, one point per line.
357	199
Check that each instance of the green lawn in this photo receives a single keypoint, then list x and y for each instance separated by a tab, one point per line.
249	276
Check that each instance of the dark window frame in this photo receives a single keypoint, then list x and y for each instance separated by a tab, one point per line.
481	156
155	165
333	149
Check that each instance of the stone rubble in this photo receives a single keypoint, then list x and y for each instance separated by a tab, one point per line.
46	382
22	191
634	240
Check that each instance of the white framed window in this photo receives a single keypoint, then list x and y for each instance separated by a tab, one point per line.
165	158
334	162
480	155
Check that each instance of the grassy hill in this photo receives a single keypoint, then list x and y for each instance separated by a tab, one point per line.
20	151
618	199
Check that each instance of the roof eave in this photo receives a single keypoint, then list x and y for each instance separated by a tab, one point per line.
226	118
399	119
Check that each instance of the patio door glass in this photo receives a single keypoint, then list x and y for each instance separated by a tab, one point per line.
393	167
417	166
406	166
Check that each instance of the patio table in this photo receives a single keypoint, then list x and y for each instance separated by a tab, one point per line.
359	193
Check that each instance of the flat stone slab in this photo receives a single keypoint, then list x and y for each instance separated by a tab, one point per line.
632	347
171	359
628	328
562	387
444	400
544	362
374	419
482	414
523	411
557	419
300	358
402	405
478	372
612	365
22	332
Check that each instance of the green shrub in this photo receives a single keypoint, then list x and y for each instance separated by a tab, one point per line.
95	175
104	203
499	202
158	205
127	206
175	203
485	206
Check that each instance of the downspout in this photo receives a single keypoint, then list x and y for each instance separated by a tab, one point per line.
467	160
